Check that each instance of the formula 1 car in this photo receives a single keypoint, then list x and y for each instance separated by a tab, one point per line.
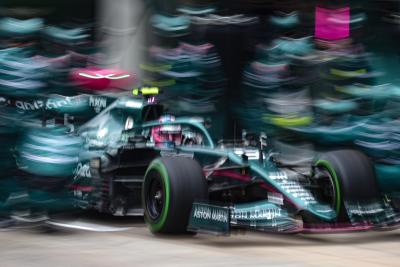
216	189
138	161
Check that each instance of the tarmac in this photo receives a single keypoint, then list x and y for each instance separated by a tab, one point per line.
97	240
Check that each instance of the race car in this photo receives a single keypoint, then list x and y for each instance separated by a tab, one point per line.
218	189
139	161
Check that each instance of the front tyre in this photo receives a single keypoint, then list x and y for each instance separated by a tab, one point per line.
351	176
170	187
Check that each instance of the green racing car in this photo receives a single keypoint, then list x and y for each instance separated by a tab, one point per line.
138	161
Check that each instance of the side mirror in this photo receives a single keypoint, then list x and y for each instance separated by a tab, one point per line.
250	139
258	141
263	141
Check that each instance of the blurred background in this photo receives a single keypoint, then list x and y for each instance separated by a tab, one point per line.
237	63
309	73
312	72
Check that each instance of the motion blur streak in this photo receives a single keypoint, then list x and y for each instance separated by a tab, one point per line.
77	78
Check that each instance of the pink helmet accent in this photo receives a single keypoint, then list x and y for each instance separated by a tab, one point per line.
167	133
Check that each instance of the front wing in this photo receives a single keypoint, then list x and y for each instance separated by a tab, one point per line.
268	217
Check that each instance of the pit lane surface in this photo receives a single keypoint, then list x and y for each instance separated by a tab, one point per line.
127	242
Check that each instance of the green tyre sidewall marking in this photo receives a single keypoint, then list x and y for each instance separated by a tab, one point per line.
326	164
160	168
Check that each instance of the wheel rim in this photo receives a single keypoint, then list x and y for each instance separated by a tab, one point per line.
154	215
155	199
327	185
330	170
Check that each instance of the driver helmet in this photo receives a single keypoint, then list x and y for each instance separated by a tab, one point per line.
169	134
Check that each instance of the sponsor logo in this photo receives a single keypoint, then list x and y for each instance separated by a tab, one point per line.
40	104
82	170
35	105
293	187
97	103
275	198
256	214
209	213
278	176
364	209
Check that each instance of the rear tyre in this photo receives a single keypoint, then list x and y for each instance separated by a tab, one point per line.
171	185
352	177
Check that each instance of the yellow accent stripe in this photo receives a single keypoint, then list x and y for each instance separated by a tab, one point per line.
288	122
348	74
146	91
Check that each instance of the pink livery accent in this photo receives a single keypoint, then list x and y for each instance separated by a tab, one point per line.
332	24
102	79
